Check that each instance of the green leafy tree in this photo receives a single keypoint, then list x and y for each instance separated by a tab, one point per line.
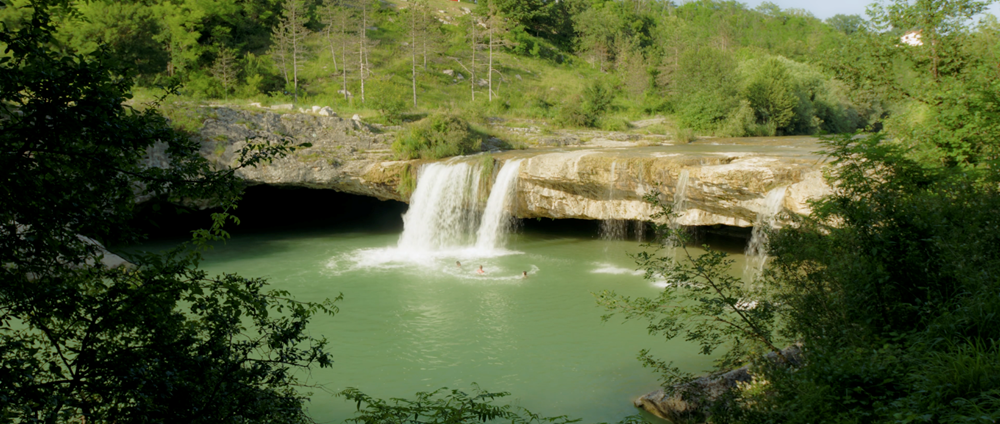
944	84
224	69
703	302
83	338
847	24
770	92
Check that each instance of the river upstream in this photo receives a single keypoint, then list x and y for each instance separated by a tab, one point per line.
413	320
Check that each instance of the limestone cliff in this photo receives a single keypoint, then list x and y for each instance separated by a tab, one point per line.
728	179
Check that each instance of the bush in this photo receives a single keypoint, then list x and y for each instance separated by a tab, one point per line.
436	137
389	100
588	109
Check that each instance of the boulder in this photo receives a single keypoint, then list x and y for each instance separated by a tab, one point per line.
327	111
482	83
286	106
356	117
458	76
449	72
315	109
345	92
693	401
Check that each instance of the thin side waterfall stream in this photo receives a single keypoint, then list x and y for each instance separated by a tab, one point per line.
756	252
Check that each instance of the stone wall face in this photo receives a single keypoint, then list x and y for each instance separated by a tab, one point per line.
727	182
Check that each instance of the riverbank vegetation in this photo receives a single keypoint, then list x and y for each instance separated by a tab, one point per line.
711	67
891	285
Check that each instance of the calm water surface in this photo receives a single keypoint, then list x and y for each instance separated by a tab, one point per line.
415	323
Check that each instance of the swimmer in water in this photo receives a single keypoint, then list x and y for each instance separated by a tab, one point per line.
458	264
524	274
480	270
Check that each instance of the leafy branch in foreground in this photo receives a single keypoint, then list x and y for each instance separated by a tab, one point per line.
443	406
157	340
702	301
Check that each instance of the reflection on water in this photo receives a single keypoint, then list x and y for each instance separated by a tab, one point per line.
415	321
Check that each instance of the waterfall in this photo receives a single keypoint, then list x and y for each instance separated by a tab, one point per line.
442	211
611	228
496	218
756	252
680	199
445	213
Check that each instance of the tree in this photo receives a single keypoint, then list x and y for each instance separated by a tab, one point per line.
474	42
332	16
496	25
290	47
847	24
771	95
703	302
947	96
224	69
159	340
417	15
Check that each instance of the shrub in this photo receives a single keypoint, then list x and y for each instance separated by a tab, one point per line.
436	137
389	100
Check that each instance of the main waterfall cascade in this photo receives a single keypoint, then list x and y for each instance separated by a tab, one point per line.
445	212
756	252
496	220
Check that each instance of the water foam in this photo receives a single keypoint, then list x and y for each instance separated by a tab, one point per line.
496	218
444	223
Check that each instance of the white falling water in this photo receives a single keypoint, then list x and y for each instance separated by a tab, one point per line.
496	218
680	200
442	213
611	228
756	252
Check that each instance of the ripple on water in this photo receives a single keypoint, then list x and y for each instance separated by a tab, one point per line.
443	261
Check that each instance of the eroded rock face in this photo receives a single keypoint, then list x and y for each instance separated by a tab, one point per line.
346	155
725	186
728	179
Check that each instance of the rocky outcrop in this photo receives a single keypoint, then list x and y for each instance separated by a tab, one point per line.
345	154
693	401
726	186
596	179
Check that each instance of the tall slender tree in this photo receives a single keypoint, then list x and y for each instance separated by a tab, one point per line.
414	15
474	43
224	69
290	47
330	14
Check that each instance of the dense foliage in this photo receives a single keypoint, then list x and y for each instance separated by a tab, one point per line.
701	62
891	285
438	136
84	337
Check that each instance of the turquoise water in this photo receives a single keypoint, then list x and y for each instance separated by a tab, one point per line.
410	324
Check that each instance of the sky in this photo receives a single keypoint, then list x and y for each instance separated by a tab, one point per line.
826	9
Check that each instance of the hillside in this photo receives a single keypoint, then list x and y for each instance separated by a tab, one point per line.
708	67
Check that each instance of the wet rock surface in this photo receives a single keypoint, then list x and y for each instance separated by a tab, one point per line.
583	175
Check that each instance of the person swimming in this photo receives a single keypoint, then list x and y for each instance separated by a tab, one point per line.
480	270
458	264
524	274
